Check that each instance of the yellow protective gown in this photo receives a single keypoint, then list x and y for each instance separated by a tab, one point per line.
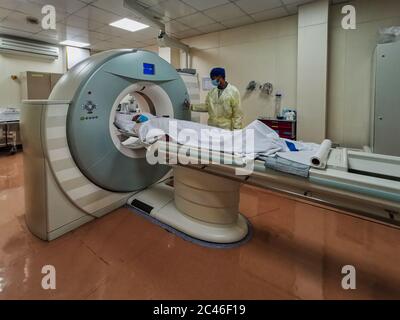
224	111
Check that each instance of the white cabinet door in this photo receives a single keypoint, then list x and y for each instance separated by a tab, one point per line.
387	100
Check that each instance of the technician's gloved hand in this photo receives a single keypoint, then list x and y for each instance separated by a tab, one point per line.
187	104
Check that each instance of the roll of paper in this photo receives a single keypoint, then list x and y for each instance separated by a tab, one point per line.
320	158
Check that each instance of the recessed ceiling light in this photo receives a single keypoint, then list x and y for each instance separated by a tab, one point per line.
74	43
129	24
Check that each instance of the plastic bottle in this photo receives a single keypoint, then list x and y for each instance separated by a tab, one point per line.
278	102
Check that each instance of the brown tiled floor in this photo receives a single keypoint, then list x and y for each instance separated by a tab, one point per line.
297	252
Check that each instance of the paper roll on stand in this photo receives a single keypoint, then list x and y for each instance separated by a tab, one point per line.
320	159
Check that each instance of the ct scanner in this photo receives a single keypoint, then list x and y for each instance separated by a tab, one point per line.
76	168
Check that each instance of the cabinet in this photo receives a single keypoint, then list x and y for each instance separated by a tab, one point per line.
13	129
10	134
386	113
285	128
38	85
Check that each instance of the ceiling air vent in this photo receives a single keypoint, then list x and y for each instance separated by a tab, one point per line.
20	47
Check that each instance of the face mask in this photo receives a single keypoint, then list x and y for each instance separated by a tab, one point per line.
215	82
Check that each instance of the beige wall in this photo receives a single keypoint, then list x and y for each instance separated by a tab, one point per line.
350	69
152	48
265	52
10	91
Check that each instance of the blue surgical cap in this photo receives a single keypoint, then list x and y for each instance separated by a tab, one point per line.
217	72
143	118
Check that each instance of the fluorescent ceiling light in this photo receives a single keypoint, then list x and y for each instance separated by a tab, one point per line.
129	24
72	43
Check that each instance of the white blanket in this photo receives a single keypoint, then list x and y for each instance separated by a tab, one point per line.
254	140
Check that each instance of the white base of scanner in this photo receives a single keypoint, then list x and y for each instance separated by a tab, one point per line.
200	205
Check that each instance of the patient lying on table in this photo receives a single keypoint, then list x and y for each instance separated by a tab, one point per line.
257	140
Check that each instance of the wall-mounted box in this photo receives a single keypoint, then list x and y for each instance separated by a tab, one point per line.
37	85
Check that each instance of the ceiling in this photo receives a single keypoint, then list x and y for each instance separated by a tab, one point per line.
88	20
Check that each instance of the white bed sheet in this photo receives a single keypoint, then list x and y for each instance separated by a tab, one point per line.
254	140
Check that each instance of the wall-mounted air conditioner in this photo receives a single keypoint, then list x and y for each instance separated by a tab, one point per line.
13	46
